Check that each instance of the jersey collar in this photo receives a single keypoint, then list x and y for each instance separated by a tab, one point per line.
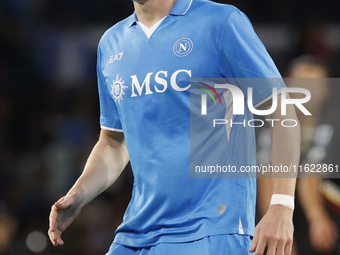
133	20
180	8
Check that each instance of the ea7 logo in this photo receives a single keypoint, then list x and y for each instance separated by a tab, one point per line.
115	57
238	100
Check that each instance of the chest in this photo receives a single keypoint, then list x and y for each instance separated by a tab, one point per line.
137	66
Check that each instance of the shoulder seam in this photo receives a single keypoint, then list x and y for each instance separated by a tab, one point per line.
222	33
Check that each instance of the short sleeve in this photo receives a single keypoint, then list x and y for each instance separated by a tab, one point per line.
109	116
245	58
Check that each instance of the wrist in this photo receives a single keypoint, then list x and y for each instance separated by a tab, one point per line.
77	197
281	211
284	200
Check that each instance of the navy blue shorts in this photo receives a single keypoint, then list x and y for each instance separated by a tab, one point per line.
210	245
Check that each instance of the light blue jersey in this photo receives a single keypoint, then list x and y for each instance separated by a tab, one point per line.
144	89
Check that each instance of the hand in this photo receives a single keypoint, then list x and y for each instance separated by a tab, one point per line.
323	234
63	212
274	231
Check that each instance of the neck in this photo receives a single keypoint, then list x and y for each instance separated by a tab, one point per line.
150	11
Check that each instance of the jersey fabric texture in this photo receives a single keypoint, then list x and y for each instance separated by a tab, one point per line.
144	90
218	244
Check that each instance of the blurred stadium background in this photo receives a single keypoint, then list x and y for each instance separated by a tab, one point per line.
49	111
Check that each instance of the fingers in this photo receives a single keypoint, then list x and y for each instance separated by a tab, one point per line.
63	212
55	237
288	248
275	246
259	243
60	241
255	240
52	237
271	250
53	218
280	248
261	246
54	233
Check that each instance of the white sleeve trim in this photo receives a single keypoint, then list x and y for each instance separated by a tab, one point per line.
266	100
188	8
111	129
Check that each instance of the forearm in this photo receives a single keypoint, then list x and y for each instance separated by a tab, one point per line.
275	230
285	152
104	165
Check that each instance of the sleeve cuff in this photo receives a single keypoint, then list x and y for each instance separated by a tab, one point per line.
111	129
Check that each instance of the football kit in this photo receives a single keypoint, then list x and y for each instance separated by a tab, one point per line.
144	82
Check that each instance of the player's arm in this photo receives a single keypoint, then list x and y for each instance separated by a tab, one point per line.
275	230
104	165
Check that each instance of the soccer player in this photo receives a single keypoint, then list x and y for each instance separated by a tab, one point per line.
144	67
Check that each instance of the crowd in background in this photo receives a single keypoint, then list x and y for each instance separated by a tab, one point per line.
49	110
